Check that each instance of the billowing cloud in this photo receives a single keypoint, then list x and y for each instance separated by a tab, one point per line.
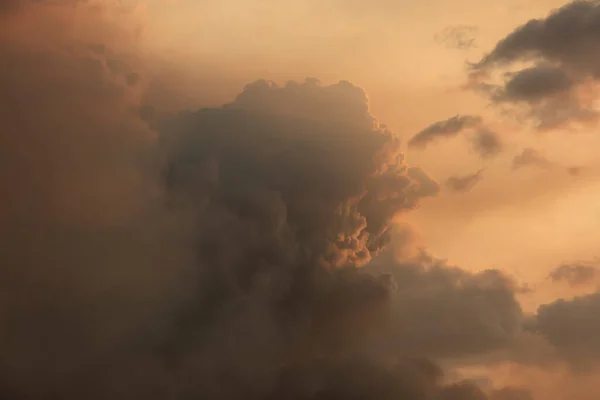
216	253
575	274
443	312
464	183
444	129
234	252
572	327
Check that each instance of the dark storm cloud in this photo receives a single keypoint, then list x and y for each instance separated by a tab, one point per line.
464	183
444	129
487	143
572	327
575	274
216	253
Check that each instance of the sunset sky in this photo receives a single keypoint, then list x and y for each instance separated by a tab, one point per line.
174	204
408	59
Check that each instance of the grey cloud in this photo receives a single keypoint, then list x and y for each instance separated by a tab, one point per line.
575	274
568	36
572	327
464	183
215	253
535	83
444	129
460	37
531	157
564	48
442	311
487	143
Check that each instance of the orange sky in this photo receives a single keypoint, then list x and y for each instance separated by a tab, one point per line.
201	53
510	221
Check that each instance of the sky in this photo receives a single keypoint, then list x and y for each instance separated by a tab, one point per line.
312	200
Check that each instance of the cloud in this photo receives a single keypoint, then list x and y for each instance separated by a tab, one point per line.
461	37
572	327
229	252
567	36
464	183
511	393
531	157
444	129
487	143
559	90
575	274
535	83
442	311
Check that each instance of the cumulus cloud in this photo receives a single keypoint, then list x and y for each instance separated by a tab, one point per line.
229	252
464	183
572	327
575	274
443	311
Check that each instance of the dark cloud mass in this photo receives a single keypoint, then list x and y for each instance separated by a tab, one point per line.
572	327
535	83
444	129
215	253
575	274
564	50
568	36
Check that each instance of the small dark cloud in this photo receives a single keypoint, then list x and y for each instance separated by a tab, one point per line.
576	274
444	129
464	183
531	157
487	143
